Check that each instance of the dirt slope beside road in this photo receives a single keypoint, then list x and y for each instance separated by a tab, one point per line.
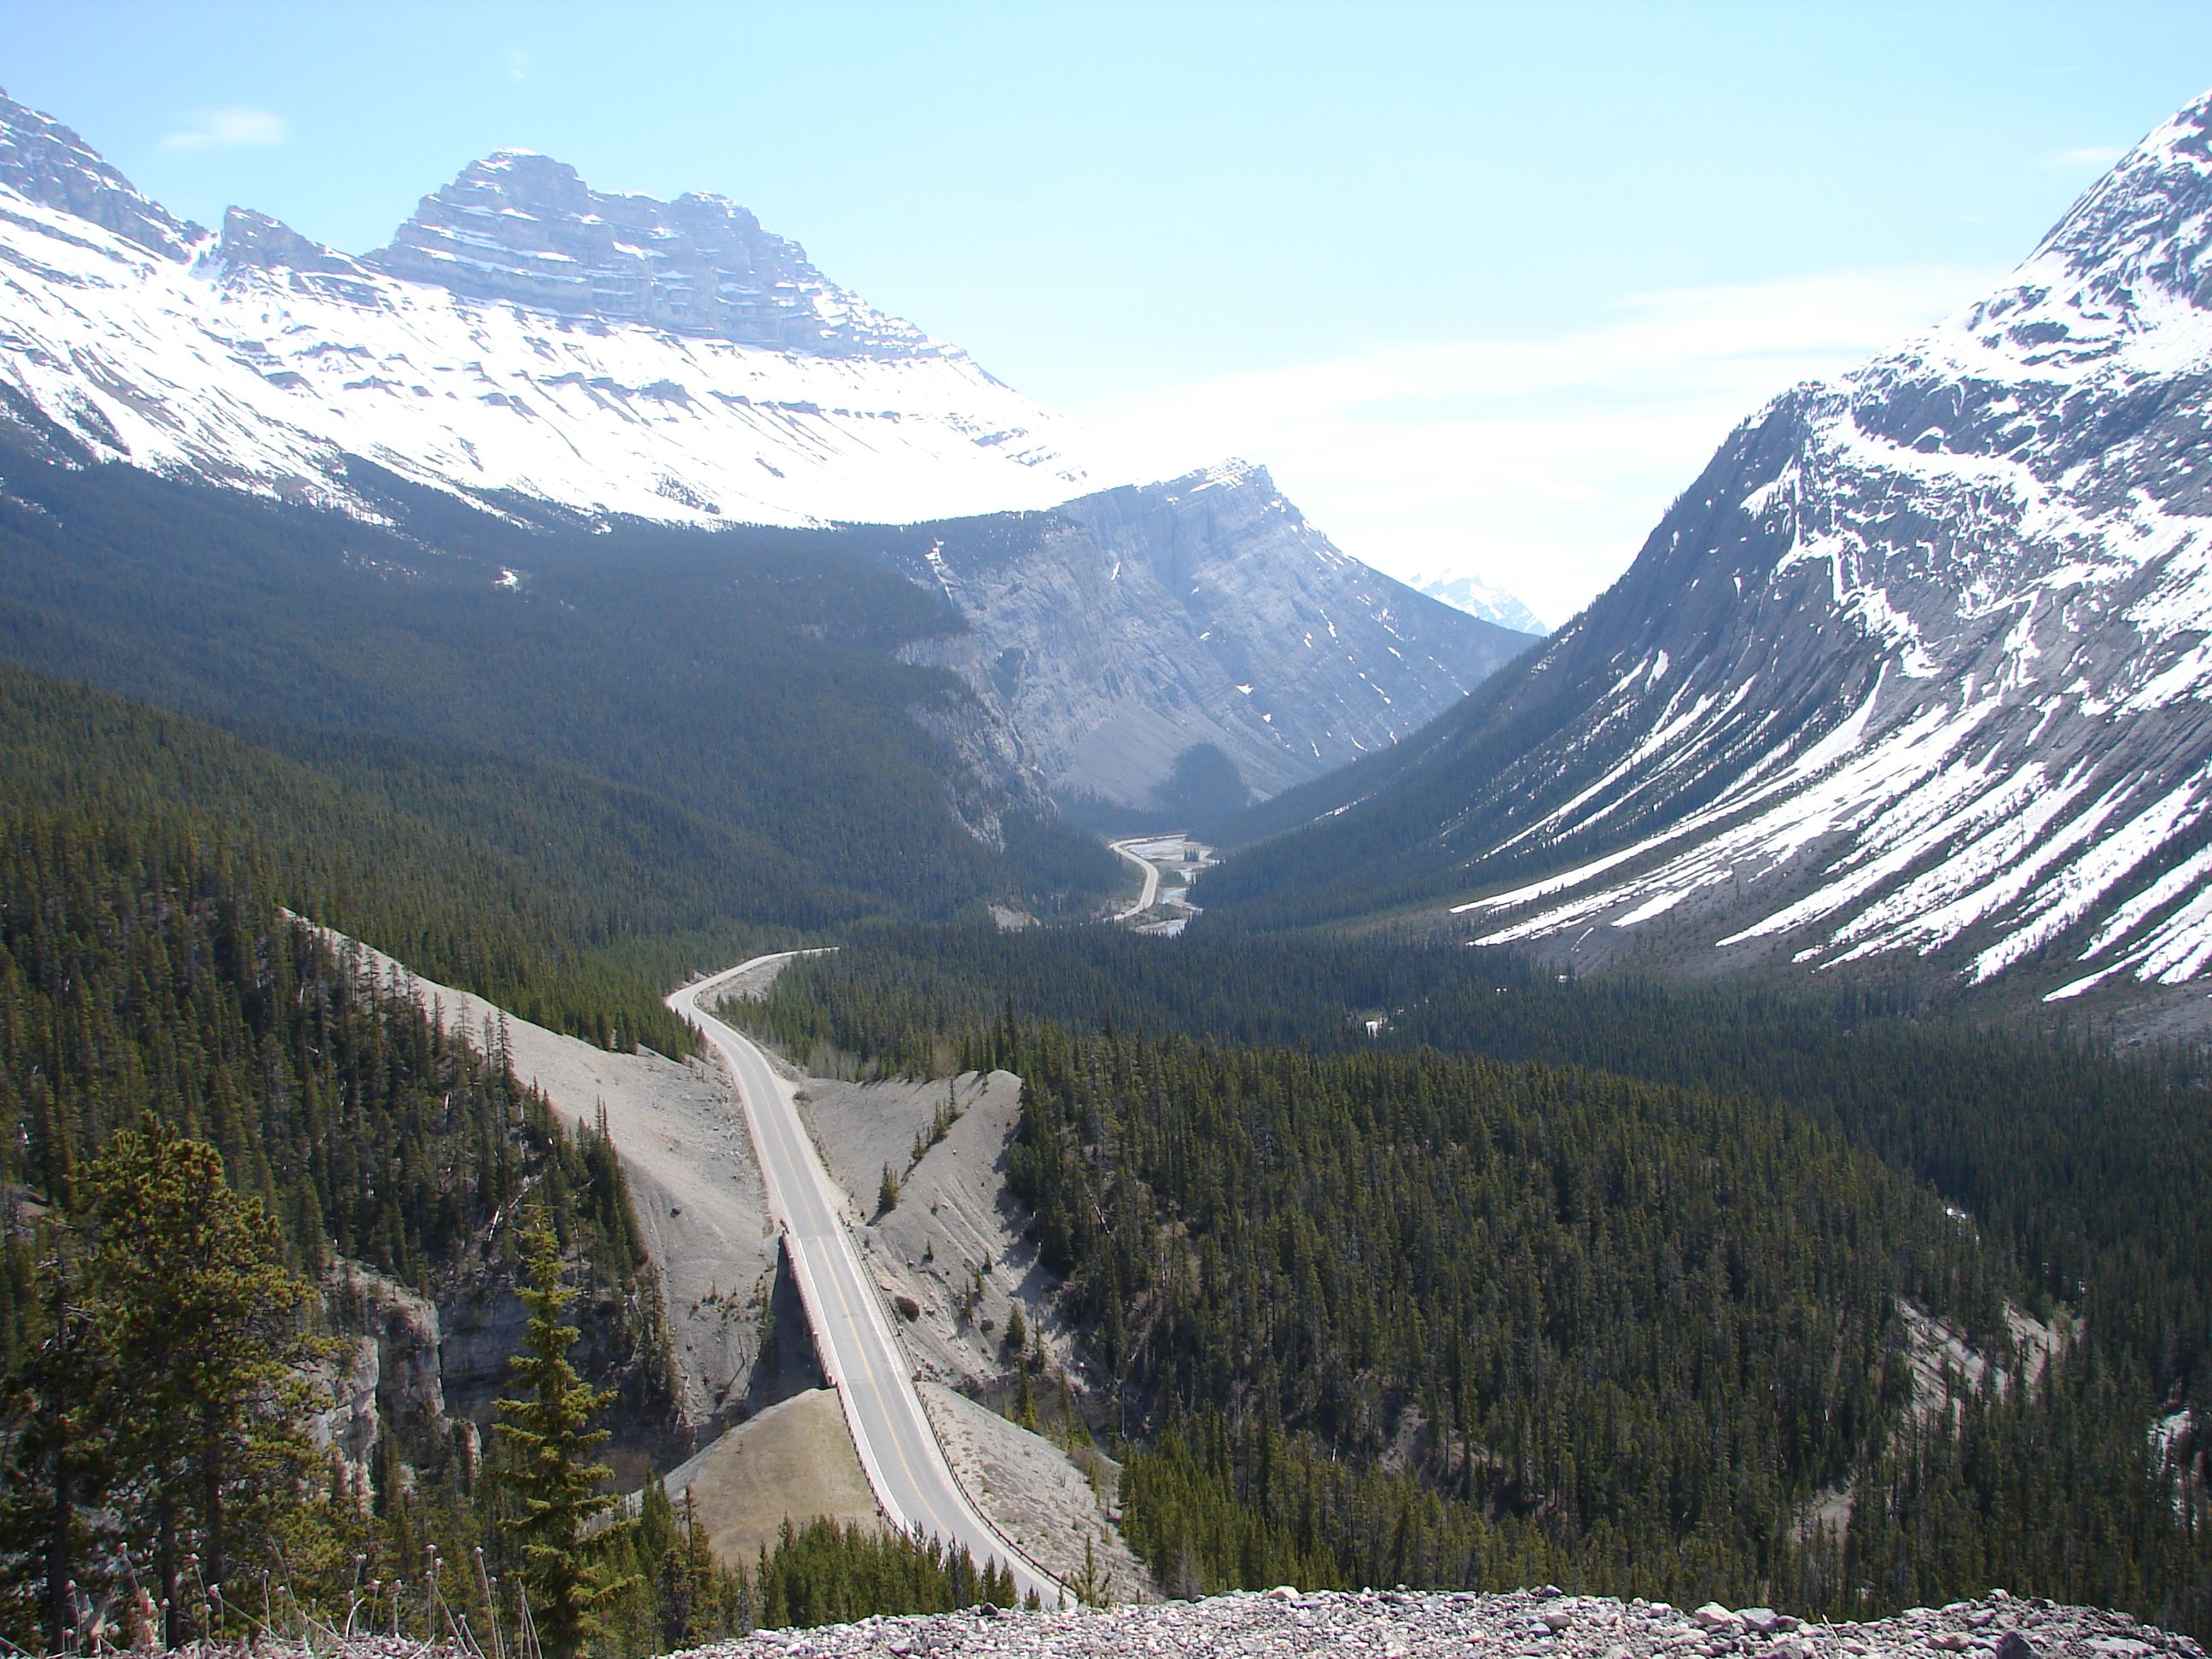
1037	1495
794	1461
697	1191
953	1251
953	1244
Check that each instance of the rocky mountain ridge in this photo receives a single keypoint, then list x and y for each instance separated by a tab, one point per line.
524	228
522	336
546	351
45	162
1122	631
1919	668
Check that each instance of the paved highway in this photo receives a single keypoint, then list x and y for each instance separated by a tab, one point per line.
1152	892
851	1322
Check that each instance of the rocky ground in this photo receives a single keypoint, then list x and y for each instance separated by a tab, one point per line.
954	1245
1537	1623
1416	1625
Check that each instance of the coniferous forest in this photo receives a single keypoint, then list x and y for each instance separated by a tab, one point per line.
1394	1263
205	1109
1707	1101
1388	1261
1614	1284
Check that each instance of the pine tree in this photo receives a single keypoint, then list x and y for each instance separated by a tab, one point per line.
554	1484
1092	1586
189	1285
56	1425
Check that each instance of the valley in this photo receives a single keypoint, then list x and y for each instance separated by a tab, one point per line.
1171	866
1242	1074
1906	682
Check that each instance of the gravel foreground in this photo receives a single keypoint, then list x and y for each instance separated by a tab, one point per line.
1542	1624
1537	1623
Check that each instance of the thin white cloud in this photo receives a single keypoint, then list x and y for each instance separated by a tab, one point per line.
236	128
520	63
2086	155
1539	462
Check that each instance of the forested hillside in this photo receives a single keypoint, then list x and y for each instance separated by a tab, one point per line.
159	1014
396	860
1605	1282
149	983
141	974
725	712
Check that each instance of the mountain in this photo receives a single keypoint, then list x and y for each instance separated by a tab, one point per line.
1132	635
522	335
1915	672
689	733
558	354
1485	600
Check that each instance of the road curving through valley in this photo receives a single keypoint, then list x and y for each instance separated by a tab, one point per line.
860	1353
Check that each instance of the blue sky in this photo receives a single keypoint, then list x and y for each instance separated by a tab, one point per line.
1482	284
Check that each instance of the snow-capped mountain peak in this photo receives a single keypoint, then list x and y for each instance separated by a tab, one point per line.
530	344
46	163
1919	668
523	335
1479	598
2144	231
523	227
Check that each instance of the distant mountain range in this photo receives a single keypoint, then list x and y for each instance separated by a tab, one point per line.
1916	675
1482	598
561	356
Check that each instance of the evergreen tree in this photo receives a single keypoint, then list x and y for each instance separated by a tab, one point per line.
551	1478
190	1287
54	1459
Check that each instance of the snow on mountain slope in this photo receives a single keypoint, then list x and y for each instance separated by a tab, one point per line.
526	339
1481	599
522	334
1921	667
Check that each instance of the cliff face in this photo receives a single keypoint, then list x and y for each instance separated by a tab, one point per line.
1919	669
1121	631
525	229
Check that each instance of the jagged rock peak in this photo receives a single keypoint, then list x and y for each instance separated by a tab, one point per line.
47	162
523	227
2144	230
255	239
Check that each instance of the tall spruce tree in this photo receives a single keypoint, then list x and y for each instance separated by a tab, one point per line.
547	1428
189	1285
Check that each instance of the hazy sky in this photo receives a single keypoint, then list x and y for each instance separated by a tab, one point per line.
1482	284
